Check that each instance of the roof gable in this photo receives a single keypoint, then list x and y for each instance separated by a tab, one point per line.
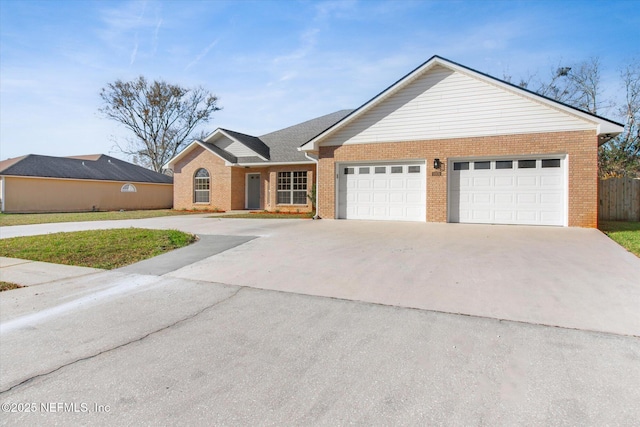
442	99
254	144
280	146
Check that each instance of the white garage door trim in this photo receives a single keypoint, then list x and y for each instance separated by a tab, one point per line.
522	194
392	191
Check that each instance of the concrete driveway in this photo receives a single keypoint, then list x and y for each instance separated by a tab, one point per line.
568	277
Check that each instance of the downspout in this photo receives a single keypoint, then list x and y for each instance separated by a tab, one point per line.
2	180
316	161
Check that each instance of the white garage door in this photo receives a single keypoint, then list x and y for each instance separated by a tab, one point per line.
389	191
508	191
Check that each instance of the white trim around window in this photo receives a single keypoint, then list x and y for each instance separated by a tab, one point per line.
201	186
292	188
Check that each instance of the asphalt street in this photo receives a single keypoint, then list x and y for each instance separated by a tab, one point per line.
221	355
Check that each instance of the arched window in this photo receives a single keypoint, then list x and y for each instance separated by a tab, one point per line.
201	184
128	188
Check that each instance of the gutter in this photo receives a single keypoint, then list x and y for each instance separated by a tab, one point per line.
316	161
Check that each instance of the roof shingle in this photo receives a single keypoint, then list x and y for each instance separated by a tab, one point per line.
104	168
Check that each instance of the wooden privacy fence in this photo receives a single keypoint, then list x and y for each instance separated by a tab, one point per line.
619	199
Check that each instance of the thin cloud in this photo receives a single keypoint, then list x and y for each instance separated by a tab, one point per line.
134	52
155	36
125	26
202	54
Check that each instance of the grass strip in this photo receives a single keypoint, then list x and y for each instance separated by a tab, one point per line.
106	249
46	218
7	286
625	233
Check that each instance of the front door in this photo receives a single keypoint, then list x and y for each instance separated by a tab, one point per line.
253	191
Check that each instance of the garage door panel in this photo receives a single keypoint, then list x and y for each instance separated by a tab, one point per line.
413	211
414	198
549	217
489	191
504	198
551	181
413	184
396	183
363	210
380	197
481	214
527	181
383	191
380	211
396	211
504	216
550	198
504	181
527	198
484	181
481	198
396	198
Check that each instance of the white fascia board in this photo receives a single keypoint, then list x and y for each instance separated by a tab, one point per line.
266	165
240	142
609	128
174	159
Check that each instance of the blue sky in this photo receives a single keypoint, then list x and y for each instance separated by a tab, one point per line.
272	63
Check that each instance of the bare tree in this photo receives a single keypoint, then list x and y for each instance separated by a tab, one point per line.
162	116
578	85
621	156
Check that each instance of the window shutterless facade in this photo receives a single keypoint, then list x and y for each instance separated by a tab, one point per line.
201	186
292	188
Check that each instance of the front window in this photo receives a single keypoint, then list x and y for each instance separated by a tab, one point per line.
201	184
292	188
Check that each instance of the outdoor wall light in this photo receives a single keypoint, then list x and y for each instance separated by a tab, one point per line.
436	163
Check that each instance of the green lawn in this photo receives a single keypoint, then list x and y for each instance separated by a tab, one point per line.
43	218
105	249
627	234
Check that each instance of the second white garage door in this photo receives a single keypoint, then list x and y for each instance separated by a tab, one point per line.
527	191
383	191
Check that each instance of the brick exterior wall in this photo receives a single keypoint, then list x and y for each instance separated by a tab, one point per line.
228	184
580	146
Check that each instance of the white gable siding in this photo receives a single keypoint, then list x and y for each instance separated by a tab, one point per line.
447	104
234	147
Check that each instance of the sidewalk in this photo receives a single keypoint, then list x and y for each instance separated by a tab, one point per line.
31	273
